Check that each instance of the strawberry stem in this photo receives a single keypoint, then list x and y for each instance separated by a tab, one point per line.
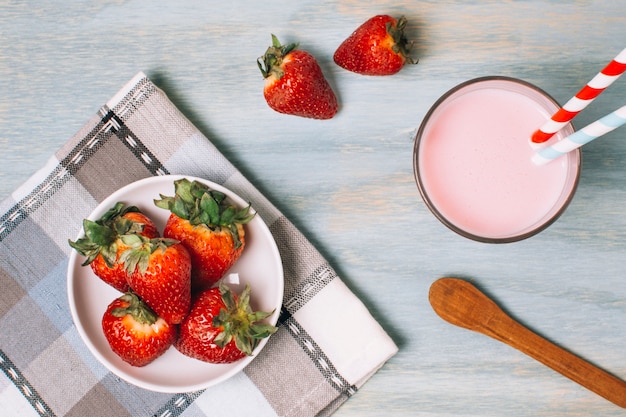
114	219
137	256
101	235
195	202
402	45
138	309
239	323
270	63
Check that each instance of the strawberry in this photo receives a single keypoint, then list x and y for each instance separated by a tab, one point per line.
102	246
295	84
221	327
377	47
209	227
134	332
159	271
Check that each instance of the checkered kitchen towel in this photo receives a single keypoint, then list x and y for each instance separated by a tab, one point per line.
327	345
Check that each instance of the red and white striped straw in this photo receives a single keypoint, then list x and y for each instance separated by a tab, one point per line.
576	104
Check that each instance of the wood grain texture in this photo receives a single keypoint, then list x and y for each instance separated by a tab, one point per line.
347	183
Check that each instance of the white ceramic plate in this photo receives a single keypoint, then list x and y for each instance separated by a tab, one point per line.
259	265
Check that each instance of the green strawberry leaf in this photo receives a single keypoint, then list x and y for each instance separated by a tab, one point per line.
239	323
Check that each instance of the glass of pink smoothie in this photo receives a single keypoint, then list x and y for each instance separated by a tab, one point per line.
472	161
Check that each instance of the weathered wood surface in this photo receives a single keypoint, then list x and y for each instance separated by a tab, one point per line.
348	182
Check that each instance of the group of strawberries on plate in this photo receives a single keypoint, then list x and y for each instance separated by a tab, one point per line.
171	284
295	84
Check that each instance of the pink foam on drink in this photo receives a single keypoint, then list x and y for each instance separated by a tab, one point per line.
473	161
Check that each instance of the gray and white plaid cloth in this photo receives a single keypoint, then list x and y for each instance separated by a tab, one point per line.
314	363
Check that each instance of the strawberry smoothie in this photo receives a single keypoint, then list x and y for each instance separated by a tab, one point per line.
473	161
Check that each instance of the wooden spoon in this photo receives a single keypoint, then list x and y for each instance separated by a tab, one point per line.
462	304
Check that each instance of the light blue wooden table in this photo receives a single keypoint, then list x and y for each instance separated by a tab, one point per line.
348	183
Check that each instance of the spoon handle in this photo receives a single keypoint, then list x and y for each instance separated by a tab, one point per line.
460	303
566	363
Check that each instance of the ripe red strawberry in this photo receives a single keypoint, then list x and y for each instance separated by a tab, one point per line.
295	84
102	246
377	47
134	332
159	271
221	327
208	226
